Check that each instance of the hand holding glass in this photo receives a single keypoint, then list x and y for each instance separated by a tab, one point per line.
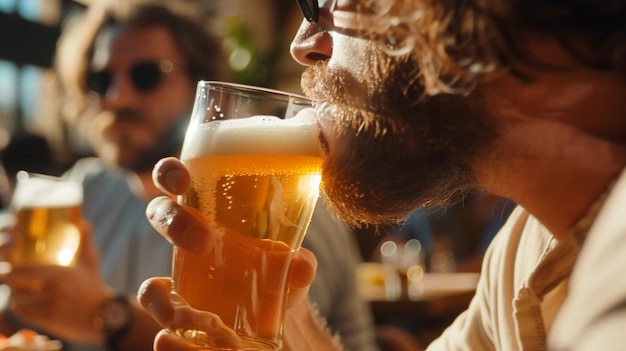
48	218
255	182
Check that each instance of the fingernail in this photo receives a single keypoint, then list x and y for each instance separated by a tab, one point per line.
165	217
161	217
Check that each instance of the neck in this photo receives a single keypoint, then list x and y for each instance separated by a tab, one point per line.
553	170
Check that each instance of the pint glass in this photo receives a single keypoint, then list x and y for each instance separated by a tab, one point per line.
48	216
254	159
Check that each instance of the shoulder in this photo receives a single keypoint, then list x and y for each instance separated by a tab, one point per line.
85	167
512	257
521	234
94	174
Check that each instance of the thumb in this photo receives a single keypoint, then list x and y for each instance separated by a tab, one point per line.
88	254
302	273
7	226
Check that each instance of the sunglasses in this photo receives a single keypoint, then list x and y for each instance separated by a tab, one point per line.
311	9
350	22
392	30
145	76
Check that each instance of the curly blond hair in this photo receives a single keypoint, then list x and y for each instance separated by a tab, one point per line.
457	41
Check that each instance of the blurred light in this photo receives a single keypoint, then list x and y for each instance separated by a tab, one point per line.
239	59
65	257
30	90
8	82
415	273
443	261
388	249
413	247
7	5
5	138
30	9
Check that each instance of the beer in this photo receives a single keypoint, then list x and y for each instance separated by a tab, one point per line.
48	214
255	181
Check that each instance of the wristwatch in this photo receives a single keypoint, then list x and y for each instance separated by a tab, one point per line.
116	318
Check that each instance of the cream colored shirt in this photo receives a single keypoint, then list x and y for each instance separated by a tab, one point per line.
594	315
536	293
523	282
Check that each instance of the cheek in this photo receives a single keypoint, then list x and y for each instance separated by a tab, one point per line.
350	54
171	105
560	98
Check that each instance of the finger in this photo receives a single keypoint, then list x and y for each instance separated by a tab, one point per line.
88	254
171	176
7	225
25	304
35	303
7	222
302	273
212	329
167	341
31	278
27	286
6	247
179	226
154	297
304	266
171	312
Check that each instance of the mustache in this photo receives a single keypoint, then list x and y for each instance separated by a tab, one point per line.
126	115
320	83
370	100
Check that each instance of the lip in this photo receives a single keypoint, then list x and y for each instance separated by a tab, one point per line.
328	133
324	140
121	126
120	120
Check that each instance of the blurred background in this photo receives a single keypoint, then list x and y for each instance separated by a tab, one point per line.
256	37
418	276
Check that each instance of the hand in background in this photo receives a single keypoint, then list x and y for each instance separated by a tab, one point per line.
62	301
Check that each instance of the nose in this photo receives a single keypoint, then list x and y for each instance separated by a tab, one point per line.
120	94
312	43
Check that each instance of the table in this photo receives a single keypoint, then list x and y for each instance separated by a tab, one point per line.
435	300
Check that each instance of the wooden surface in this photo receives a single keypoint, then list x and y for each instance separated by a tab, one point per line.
437	299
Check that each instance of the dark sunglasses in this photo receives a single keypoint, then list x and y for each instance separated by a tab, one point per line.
310	9
362	21
145	76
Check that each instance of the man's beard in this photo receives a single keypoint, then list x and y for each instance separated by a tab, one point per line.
124	153
169	144
398	149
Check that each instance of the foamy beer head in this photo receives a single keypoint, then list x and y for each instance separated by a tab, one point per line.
48	214
268	135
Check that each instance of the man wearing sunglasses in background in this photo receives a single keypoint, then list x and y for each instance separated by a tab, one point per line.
130	80
422	100
136	74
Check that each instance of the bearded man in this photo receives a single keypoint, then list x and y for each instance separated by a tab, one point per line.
130	72
421	101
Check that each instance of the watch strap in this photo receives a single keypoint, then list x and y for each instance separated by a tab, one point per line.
113	336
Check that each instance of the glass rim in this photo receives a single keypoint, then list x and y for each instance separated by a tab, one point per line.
229	86
23	175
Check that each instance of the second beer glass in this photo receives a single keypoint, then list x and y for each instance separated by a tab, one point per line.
255	182
48	220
